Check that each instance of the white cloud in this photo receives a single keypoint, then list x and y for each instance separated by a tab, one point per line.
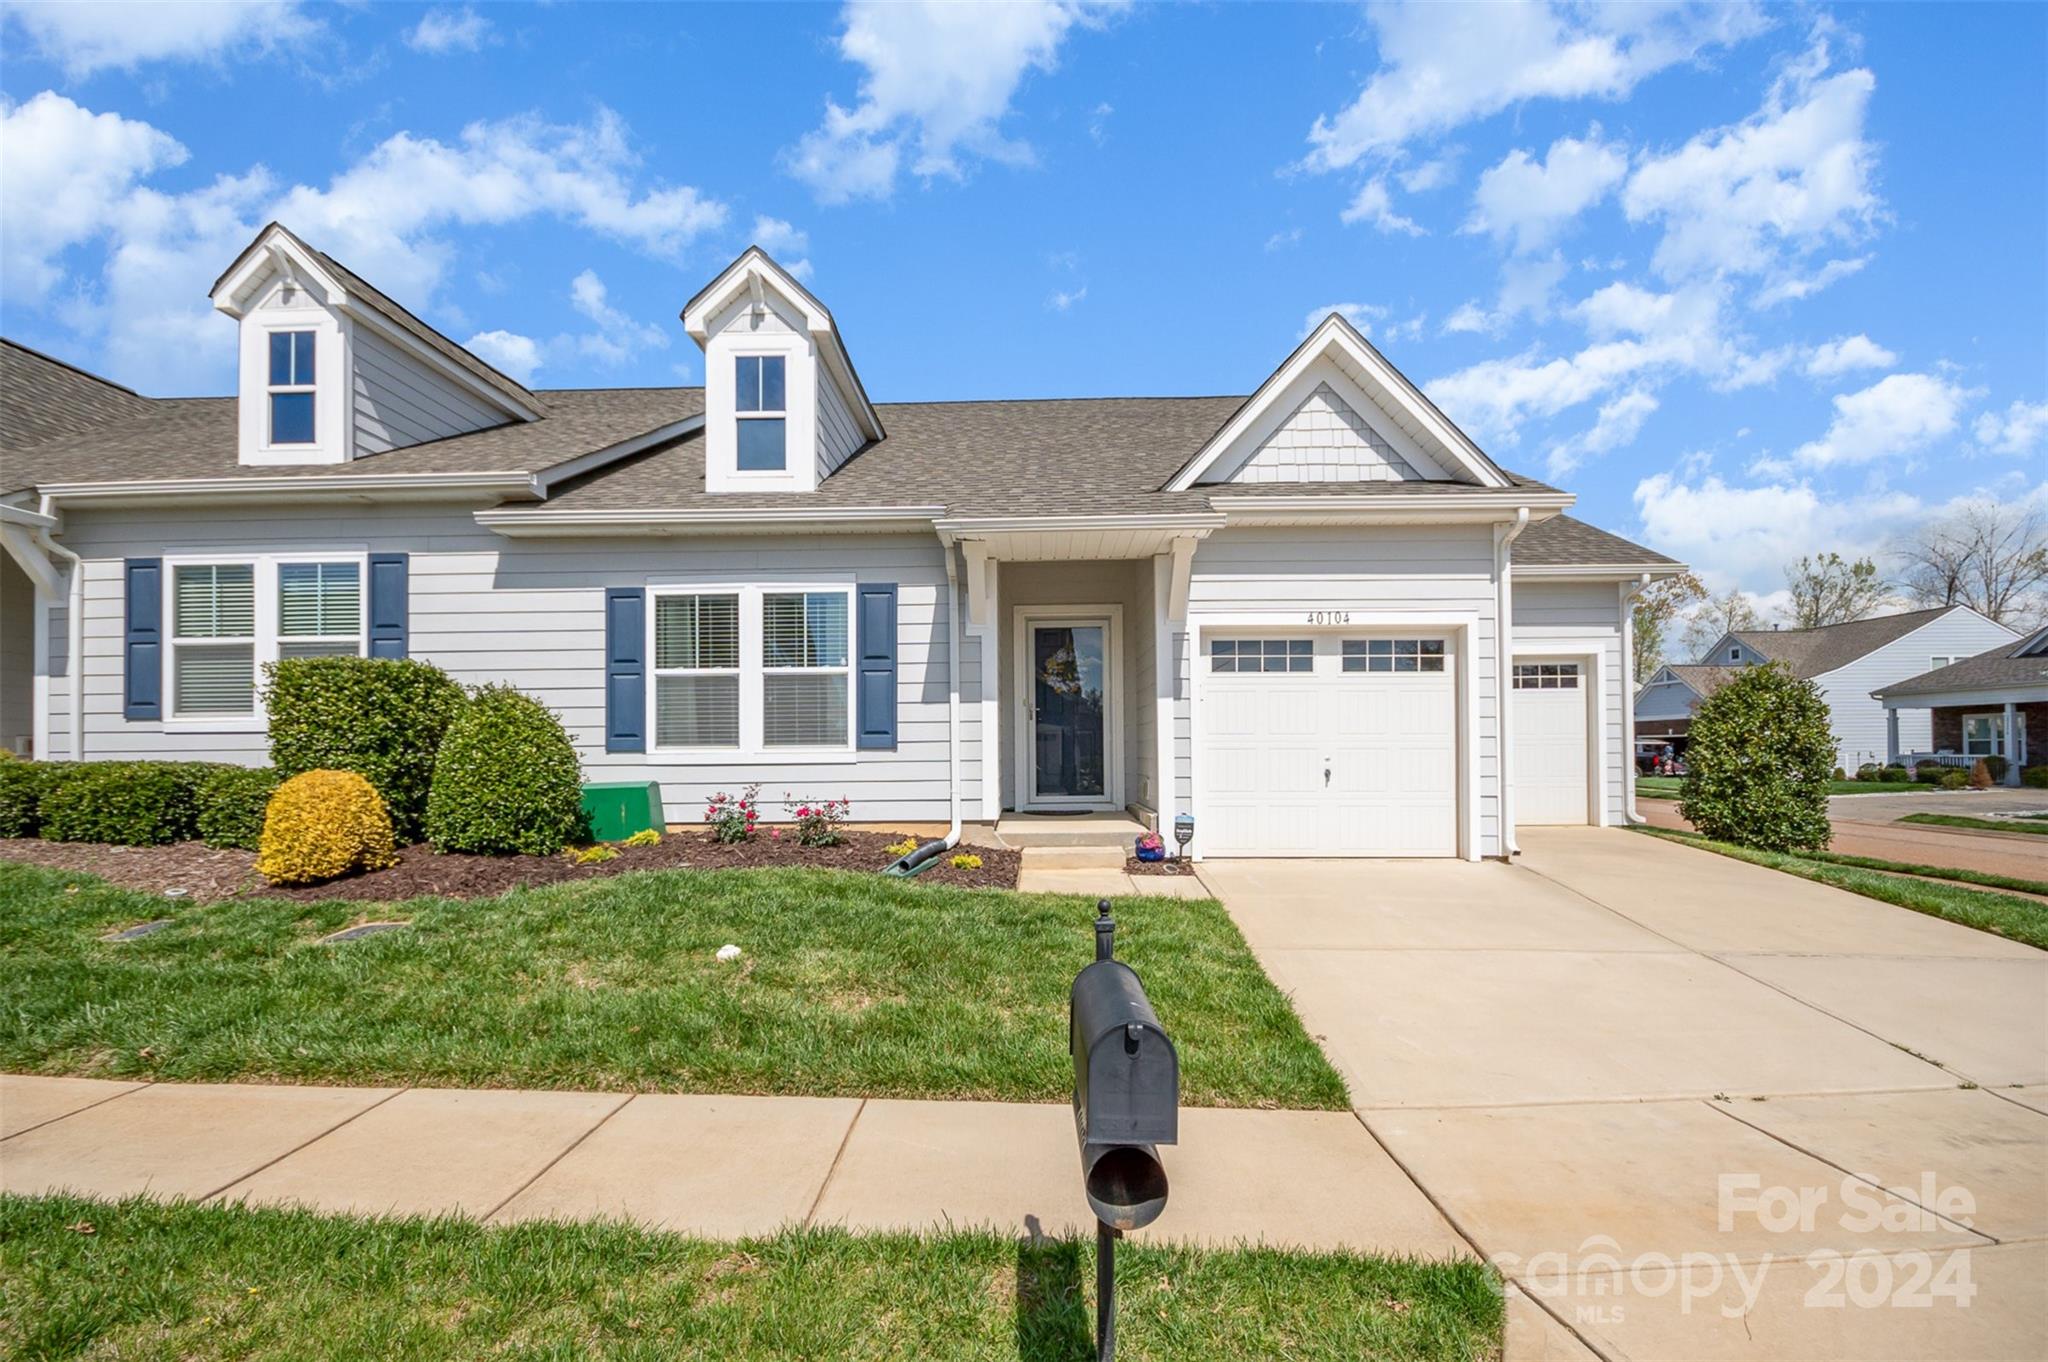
1062	299
1744	536
1469	317
1789	287
449	30
1360	315
380	215
1790	178
1530	202
2019	431
618	337
1897	415
1098	123
515	354
1845	354
789	245
1618	423
1281	240
1431	174
939	80
1373	204
68	169
85	38
1444	65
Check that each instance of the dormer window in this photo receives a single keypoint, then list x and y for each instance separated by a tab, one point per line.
1735	654
760	406
291	387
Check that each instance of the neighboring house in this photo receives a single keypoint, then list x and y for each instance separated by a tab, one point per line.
1846	661
1319	619
1982	706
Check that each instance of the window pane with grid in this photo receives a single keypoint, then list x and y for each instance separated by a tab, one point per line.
214	601
319	600
696	633
803	629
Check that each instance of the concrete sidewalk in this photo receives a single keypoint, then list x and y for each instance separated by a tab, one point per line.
707	1165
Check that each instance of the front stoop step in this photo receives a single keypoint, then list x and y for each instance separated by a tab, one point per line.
1105	831
1074	858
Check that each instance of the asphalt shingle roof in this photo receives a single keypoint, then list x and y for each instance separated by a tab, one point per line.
2002	668
1563	541
1812	652
1703	677
43	399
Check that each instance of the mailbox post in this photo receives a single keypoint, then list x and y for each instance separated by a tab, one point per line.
1126	1104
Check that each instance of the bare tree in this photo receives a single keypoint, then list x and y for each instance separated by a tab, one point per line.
1654	609
1831	590
1987	555
1718	616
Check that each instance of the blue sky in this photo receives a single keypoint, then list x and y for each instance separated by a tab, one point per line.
1753	282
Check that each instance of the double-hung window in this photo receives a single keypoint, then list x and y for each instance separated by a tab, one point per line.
752	670
804	674
697	670
761	408
213	639
228	618
1984	735
291	387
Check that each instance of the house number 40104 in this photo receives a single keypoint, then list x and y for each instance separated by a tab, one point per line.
1329	617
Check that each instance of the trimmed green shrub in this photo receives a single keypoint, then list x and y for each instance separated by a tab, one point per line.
1896	773
22	786
125	803
1758	762
1929	772
231	805
506	779
1953	779
2034	777
381	718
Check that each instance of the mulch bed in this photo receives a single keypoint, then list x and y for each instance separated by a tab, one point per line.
209	874
1169	866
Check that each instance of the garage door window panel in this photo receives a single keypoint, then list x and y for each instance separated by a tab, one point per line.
1278	655
1393	654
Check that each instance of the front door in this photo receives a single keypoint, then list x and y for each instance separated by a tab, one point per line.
1067	715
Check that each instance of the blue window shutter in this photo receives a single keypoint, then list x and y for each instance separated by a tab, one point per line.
389	589
142	653
625	669
876	674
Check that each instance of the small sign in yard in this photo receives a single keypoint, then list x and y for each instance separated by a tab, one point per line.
139	930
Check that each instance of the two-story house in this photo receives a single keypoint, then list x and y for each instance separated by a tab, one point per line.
1318	618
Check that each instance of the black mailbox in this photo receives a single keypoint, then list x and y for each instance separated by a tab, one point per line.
1126	1093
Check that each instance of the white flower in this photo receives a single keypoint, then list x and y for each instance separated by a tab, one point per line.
728	954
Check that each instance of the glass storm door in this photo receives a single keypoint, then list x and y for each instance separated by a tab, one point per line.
1069	682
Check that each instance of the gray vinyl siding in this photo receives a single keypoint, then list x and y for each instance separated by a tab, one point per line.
17	657
1666	700
1547	611
531	613
1858	721
838	436
1383	570
398	401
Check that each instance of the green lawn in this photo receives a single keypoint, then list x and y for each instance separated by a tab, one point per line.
153	1280
1666	787
2023	920
851	985
1956	820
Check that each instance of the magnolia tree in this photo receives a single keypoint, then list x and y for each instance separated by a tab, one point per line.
1759	756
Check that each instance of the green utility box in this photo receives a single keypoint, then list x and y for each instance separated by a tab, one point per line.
619	810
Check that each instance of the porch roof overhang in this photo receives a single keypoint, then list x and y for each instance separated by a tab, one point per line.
2021	693
1418	508
1047	539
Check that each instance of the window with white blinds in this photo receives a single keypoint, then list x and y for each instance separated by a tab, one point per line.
319	610
804	669
213	638
751	669
697	670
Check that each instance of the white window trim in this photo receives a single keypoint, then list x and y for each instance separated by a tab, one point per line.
753	674
268	639
781	413
272	390
1998	734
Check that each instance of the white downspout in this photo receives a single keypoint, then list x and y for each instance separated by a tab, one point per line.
1504	537
74	631
1628	698
953	694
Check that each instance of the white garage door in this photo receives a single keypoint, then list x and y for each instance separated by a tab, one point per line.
1549	722
1328	745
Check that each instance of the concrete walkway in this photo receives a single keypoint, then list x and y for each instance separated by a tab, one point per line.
1098	872
714	1166
1569	1056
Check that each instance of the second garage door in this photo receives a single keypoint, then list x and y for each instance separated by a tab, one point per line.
1549	721
1329	745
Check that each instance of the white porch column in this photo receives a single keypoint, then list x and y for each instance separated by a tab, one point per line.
2012	743
1169	609
992	740
1891	737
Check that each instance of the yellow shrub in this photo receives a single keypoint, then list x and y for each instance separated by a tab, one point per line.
591	855
321	825
902	848
646	837
966	860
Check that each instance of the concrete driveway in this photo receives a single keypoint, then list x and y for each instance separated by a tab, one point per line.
1615	1063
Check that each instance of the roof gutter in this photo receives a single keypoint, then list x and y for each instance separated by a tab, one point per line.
1504	537
395	485
971	525
518	524
1628	590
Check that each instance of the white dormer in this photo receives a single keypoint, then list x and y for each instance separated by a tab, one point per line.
331	370
783	407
